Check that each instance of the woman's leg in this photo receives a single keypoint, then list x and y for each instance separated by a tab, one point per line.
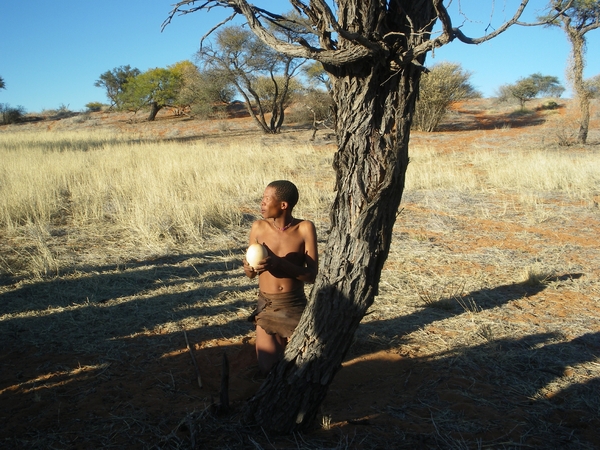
269	349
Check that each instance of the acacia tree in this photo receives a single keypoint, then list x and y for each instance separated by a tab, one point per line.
576	18
373	52
530	87
205	93
241	58
114	81
155	88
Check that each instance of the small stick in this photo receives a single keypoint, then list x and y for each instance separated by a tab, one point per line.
193	359
225	384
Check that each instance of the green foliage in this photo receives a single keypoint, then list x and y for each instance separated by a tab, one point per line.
114	81
580	13
445	84
10	114
526	89
94	106
156	88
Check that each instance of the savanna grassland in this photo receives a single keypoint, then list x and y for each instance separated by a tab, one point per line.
121	285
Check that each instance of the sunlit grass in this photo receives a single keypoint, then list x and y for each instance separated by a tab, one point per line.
160	194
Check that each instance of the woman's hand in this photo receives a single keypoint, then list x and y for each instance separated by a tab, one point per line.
249	270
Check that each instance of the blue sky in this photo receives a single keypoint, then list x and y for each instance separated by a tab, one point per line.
52	51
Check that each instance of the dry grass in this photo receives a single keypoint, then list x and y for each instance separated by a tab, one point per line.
485	332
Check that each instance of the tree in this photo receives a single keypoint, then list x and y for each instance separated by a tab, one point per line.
443	85
2	84
114	82
316	74
205	93
10	114
528	88
576	18
373	52
241	58
213	94
155	88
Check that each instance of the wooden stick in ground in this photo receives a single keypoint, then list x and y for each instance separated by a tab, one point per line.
225	384
193	359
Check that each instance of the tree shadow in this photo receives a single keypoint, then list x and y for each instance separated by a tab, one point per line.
112	303
390	330
99	284
506	393
503	392
467	120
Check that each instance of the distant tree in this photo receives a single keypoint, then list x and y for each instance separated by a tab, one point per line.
239	57
444	84
2	84
526	89
114	81
205	93
576	18
10	114
155	88
266	88
315	74
318	102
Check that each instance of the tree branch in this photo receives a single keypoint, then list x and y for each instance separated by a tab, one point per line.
457	33
220	24
361	49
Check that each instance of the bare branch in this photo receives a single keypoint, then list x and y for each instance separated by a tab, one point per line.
220	24
457	33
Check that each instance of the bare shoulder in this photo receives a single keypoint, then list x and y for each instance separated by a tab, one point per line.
306	226
260	224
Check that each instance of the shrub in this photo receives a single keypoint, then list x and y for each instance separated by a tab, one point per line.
94	106
314	106
9	114
446	83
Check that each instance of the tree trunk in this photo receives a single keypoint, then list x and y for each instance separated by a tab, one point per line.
578	45
154	109
374	112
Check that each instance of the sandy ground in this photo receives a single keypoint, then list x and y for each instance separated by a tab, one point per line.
479	360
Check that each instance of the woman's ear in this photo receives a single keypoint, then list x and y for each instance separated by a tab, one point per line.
284	205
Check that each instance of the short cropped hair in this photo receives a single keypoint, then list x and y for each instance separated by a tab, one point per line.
286	191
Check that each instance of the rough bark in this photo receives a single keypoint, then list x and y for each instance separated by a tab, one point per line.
578	46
